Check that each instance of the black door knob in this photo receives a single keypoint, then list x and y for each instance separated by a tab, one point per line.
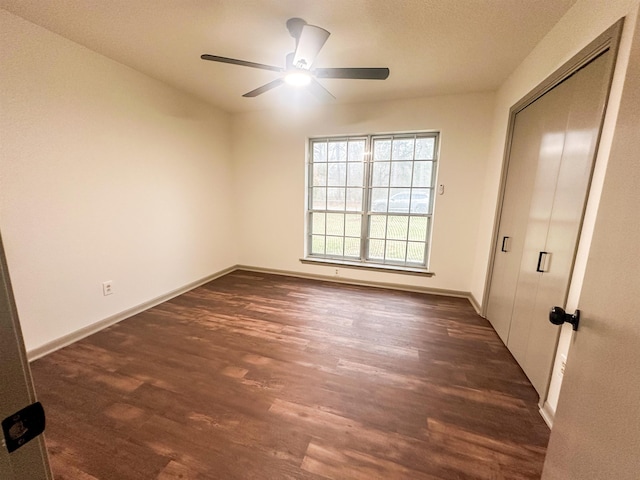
558	316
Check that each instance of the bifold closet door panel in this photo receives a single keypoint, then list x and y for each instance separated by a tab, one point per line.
554	108
574	177
529	126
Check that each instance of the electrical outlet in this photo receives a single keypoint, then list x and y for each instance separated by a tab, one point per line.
337	272
563	363
107	287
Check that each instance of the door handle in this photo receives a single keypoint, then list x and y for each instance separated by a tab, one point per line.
505	244
542	262
558	316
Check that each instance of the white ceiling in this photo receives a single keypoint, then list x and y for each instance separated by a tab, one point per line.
432	47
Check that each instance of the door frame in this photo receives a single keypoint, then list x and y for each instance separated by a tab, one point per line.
608	40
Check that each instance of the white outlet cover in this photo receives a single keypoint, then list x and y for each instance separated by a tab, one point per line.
107	288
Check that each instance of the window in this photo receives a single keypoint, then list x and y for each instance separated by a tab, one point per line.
370	199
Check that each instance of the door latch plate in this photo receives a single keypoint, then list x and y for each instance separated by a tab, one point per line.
23	426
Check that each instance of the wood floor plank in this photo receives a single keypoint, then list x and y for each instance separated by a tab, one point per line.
345	464
257	376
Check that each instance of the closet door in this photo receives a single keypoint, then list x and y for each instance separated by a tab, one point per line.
553	113
531	127
551	157
554	225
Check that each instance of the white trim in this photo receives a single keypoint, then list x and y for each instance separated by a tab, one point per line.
548	413
73	337
475	304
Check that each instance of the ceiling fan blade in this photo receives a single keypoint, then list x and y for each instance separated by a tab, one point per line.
354	73
320	92
311	40
243	63
264	88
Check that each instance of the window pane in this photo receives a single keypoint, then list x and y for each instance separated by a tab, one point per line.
319	152
381	150
403	149
418	228
376	249
422	173
318	223
352	247
397	227
354	199
356	175
377	226
379	197
401	174
399	200
320	174
356	151
319	201
335	246
425	148
337	174
420	200
415	252
380	174
335	198
338	151
353	226
317	244
395	251
335	224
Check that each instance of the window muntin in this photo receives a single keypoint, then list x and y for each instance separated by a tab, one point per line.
370	198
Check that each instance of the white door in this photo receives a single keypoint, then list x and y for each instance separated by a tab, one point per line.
29	462
596	430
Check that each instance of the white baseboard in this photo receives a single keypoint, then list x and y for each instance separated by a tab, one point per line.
72	337
547	412
475	304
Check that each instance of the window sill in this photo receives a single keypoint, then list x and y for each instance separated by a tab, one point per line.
369	266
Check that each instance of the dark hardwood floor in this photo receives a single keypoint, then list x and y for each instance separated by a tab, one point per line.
257	376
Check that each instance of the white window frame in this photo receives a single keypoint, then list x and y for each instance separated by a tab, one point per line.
366	212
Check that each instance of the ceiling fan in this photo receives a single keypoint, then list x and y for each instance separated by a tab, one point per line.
297	71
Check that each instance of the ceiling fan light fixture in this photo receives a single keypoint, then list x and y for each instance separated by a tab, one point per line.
297	70
297	79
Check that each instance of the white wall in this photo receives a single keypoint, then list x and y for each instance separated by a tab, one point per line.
105	174
269	159
584	22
